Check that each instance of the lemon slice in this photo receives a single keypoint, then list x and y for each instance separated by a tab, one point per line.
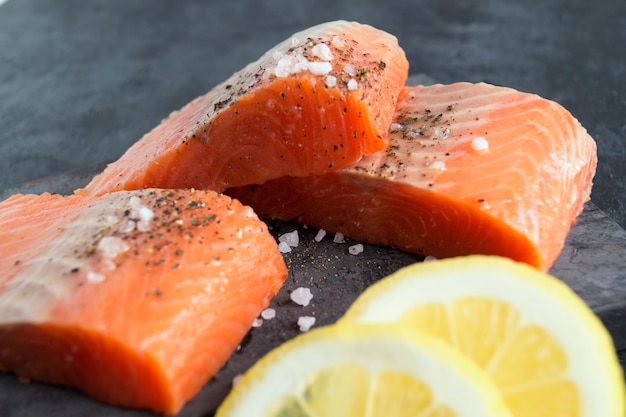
540	343
364	371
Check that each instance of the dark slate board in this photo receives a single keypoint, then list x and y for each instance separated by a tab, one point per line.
593	264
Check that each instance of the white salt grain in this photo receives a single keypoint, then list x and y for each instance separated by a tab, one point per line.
236	379
268	314
320	235
290	238
305	323
301	296
331	81
439	165
429	258
258	322
111	246
355	249
349	69
339	238
319	68
396	127
480	144
352	84
284	247
322	51
94	277
338	41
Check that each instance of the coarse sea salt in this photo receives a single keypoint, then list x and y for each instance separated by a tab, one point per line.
331	81
396	127
320	235
429	258
284	247
352	84
94	277
301	296
322	51
291	238
258	322
355	249
439	165
268	314
305	323
236	379
111	246
480	144
338	41
339	238
319	68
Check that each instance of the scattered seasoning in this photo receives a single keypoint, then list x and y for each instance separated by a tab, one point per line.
291	238
305	323
479	143
157	292
268	314
339	238
355	249
320	235
301	296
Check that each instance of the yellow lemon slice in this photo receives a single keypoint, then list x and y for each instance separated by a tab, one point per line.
544	348
365	371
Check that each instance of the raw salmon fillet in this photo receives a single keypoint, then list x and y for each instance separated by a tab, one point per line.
471	169
314	103
136	298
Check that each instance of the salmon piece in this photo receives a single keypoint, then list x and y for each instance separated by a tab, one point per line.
136	298
314	103
471	169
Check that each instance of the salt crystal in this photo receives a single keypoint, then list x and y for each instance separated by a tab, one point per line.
480	144
236	379
258	322
284	247
320	235
111	220
338	41
268	314
352	84
127	226
322	51
429	258
319	68
331	81
94	277
440	165
305	323
290	238
339	238
355	249
111	246
301	296
396	127
349	69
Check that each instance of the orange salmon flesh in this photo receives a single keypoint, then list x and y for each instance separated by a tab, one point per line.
136	298
315	103
471	169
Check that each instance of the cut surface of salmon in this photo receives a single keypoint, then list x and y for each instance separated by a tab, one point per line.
471	169
314	103
136	298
